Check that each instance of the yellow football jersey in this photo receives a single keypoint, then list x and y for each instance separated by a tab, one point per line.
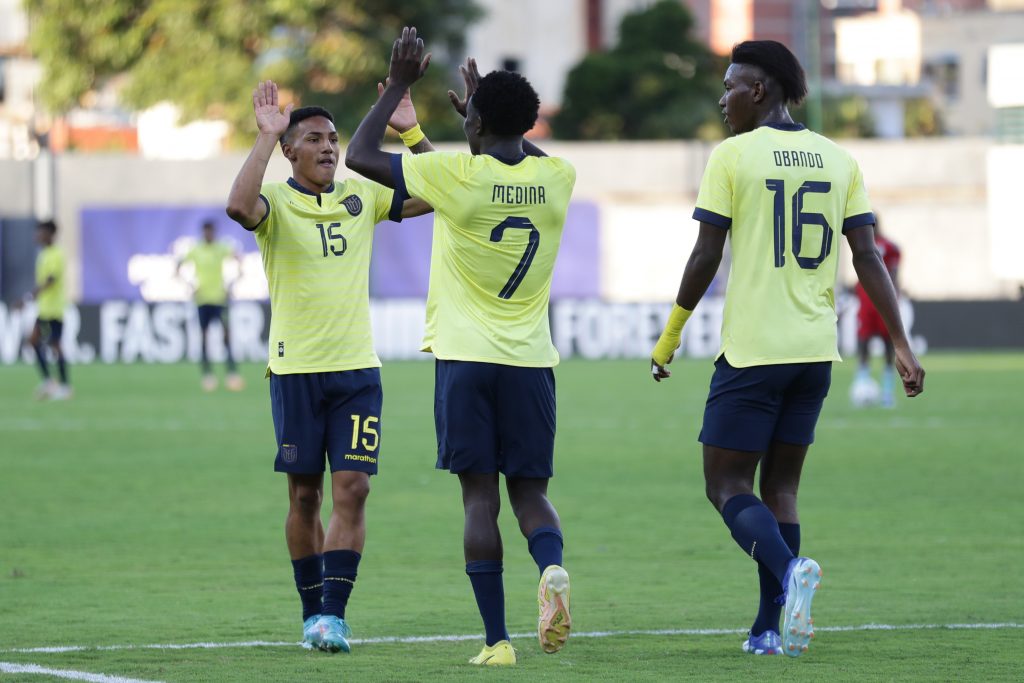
784	193
497	229
51	301
316	254
208	258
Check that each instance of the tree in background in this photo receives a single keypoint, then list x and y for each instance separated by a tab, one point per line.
657	82
206	56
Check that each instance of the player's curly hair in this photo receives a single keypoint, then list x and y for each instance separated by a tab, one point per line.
507	103
301	114
778	63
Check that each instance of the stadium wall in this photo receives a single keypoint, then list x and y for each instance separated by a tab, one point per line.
125	220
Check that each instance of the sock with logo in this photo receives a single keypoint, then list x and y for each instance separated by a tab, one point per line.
756	530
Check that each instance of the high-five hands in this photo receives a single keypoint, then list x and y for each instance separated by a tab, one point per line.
471	76
269	117
404	117
408	62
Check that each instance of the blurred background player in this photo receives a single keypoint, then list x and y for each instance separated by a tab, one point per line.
871	325
779	192
315	238
49	325
211	298
499	214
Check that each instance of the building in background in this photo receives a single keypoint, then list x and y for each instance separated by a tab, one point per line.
937	50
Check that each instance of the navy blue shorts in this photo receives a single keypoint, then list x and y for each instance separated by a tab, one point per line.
494	418
749	408
336	414
208	313
50	330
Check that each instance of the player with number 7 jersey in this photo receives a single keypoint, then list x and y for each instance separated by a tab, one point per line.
497	228
498	218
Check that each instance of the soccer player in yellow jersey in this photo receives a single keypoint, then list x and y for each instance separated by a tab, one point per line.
499	214
50	302
779	192
211	297
315	236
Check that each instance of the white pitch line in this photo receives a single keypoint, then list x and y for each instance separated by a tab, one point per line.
56	649
8	668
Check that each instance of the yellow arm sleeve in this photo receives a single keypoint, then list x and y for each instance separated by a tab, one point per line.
669	340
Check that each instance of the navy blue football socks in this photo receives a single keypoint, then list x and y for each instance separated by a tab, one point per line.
485	575
770	608
756	530
62	369
340	568
545	544
309	580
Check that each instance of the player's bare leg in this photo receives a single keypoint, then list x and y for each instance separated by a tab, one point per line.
539	523
781	468
481	540
347	527
303	529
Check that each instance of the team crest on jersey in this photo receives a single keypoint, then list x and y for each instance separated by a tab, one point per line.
289	452
354	204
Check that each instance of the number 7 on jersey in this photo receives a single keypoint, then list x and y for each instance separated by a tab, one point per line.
532	243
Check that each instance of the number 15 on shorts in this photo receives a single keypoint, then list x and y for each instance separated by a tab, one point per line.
364	432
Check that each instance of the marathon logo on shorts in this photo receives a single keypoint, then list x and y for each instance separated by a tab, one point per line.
361	458
289	452
280	349
354	204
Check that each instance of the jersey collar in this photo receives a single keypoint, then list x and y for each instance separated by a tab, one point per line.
785	126
506	160
292	183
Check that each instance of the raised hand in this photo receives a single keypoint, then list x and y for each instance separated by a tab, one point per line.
269	117
408	63
471	76
404	117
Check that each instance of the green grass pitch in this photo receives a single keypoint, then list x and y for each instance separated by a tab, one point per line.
146	512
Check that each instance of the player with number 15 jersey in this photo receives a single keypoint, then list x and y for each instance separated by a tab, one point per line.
316	253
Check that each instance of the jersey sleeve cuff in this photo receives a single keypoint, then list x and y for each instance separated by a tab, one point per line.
401	193
712	218
858	221
266	203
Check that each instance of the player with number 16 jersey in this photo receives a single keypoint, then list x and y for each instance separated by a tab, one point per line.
782	195
755	184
